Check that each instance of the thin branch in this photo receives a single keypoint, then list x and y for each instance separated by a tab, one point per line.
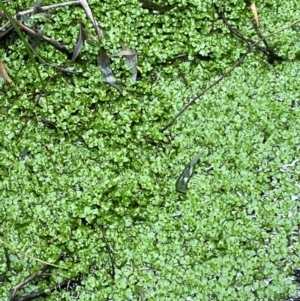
58	45
270	50
110	255
62	69
31	277
272	56
66	284
89	14
279	31
185	107
28	256
83	3
44	8
236	33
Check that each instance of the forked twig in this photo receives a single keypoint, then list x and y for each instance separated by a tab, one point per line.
83	3
66	284
186	106
61	47
251	46
89	14
31	277
43	8
236	33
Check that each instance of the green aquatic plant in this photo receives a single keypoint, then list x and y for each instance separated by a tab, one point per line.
89	184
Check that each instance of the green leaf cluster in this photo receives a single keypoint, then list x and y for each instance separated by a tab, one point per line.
99	187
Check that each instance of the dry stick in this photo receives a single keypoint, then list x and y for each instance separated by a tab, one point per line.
262	37
62	69
267	49
239	35
226	74
43	293
89	14
33	111
279	31
205	90
31	277
2	15
40	94
111	258
61	47
28	256
272	56
44	8
83	3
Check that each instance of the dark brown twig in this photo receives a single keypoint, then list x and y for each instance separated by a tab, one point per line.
83	3
68	284
33	110
185	107
44	8
109	252
272	56
62	69
58	45
251	46
236	33
31	277
260	35
267	49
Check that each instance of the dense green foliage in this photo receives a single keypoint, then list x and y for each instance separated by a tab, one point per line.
100	187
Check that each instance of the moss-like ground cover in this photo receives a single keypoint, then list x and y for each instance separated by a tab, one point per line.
100	187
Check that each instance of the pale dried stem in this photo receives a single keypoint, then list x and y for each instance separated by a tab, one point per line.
83	3
32	10
89	14
49	7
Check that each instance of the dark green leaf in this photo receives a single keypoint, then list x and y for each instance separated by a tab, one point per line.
79	44
103	62
50	124
184	178
130	60
37	38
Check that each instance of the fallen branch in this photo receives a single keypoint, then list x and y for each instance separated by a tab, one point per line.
267	49
89	14
66	284
28	256
58	45
185	107
251	46
34	9
236	33
30	278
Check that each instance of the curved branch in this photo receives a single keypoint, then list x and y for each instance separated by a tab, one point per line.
185	107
